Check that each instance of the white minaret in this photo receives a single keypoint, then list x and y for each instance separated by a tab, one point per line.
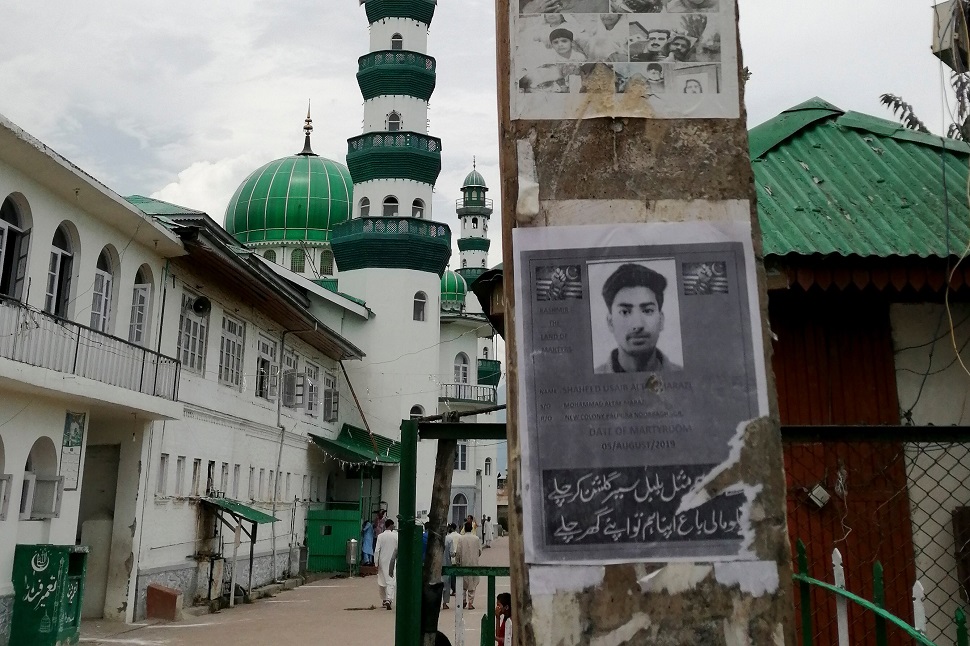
390	254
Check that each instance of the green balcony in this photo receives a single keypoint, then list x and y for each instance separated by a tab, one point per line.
394	155
489	372
390	72
474	244
469	206
420	10
391	243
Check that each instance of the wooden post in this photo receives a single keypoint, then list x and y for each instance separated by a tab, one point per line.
438	519
614	161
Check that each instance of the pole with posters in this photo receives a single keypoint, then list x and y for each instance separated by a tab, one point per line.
645	457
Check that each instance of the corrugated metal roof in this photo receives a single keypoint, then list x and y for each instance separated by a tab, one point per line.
845	183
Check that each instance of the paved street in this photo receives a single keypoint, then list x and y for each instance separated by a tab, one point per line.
327	611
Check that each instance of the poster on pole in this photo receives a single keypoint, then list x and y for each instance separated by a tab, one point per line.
660	59
640	365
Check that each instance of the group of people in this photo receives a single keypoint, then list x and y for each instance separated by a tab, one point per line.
556	52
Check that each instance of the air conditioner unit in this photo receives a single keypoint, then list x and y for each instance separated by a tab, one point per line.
950	34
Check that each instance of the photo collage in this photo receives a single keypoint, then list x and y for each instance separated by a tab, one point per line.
650	47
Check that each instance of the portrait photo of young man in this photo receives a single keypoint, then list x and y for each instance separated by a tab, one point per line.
631	329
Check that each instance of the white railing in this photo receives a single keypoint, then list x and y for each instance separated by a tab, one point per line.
468	393
40	339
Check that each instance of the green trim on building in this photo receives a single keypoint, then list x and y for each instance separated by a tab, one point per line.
297	198
420	10
471	273
394	155
474	244
392	243
489	372
389	72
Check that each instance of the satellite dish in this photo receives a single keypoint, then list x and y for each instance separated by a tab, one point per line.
201	306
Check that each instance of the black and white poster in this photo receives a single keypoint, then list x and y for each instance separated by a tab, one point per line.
668	59
640	364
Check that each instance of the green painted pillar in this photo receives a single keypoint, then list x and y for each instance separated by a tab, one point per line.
407	627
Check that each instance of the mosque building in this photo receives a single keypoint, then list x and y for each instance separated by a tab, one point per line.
204	383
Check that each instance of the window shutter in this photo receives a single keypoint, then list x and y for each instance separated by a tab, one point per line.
274	381
20	270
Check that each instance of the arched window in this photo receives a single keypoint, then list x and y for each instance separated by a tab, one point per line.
101	299
60	271
459	509
390	206
298	261
141	301
42	487
397	41
420	301
364	207
484	353
326	263
488	466
270	255
461	368
483	262
485	226
14	237
474	223
417	209
393	122
464	262
416	412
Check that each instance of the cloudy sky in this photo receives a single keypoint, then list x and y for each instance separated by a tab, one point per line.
182	99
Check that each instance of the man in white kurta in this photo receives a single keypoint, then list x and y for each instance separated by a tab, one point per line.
468	550
385	556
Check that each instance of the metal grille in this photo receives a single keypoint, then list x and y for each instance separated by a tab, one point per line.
892	495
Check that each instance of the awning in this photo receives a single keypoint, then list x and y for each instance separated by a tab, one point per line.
240	510
354	445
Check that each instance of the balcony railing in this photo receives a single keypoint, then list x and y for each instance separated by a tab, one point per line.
396	72
394	155
391	243
468	393
480	203
40	339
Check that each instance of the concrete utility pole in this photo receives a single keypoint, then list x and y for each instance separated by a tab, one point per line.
623	146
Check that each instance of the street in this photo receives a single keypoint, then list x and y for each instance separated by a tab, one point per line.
326	611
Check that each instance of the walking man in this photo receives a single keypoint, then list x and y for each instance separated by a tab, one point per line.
386	558
469	549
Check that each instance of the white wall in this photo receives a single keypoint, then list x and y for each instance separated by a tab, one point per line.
415	34
405	191
413	112
936	472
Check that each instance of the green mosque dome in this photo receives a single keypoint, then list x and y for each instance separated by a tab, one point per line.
296	198
453	291
473	178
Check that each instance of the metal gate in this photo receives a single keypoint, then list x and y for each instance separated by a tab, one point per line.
329	527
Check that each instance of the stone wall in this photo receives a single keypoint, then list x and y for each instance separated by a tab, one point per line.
190	580
6	615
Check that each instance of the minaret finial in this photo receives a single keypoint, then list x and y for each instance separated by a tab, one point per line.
307	129
474	164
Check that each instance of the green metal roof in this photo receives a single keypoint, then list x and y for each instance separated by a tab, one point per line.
473	244
236	508
296	198
845	183
354	445
151	206
473	178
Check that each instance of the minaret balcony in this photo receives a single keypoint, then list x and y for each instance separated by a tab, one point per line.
489	372
391	243
473	244
394	155
420	10
395	72
481	206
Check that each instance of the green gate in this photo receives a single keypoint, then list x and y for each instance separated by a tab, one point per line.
328	528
